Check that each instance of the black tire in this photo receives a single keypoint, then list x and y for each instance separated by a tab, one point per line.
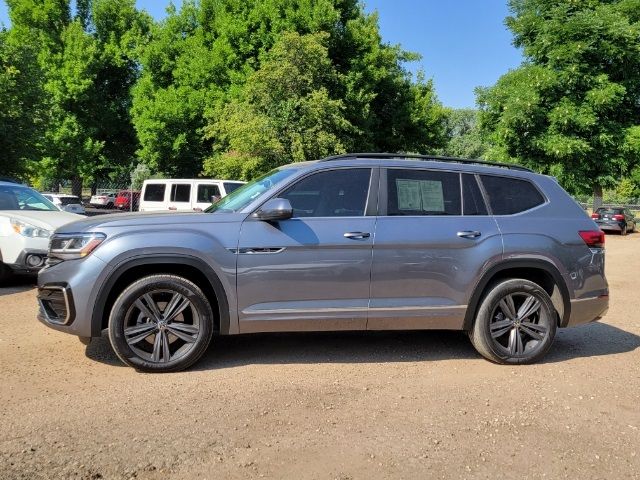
623	232
494	330
151	297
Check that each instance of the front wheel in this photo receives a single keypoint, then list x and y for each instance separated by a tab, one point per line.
515	324
161	323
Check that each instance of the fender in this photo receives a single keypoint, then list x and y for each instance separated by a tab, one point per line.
539	264
154	259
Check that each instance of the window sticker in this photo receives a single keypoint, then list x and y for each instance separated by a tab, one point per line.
424	195
408	194
432	196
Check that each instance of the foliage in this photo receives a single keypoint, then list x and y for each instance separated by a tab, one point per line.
200	59
464	138
572	108
20	106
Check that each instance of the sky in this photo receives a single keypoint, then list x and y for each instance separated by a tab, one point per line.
463	43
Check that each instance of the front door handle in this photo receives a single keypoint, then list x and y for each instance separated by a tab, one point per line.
357	235
469	234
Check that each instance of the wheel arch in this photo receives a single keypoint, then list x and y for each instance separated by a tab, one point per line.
542	272
191	268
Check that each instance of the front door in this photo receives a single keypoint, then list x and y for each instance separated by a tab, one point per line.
311	272
428	255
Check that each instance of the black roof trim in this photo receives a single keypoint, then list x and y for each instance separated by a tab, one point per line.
432	158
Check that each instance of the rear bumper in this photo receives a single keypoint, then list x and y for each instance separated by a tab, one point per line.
587	310
615	227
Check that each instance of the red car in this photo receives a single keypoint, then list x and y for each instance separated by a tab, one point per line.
123	200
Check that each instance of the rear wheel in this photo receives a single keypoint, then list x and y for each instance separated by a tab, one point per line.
161	323
516	323
624	230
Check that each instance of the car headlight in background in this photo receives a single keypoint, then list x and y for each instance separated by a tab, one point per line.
70	246
27	230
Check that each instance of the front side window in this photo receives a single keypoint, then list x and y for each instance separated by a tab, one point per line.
154	192
208	193
181	192
333	193
508	196
423	192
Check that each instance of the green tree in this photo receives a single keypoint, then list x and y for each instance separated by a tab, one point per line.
464	138
20	106
87	67
200	57
572	108
283	113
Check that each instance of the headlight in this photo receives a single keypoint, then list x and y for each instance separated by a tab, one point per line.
69	246
28	230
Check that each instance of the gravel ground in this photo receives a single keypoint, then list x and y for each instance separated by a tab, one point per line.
337	406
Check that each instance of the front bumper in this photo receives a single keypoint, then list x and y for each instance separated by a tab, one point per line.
29	260
67	293
586	310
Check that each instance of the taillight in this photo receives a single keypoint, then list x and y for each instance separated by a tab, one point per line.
618	217
593	238
595	215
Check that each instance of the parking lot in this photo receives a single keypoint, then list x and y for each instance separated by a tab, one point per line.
327	406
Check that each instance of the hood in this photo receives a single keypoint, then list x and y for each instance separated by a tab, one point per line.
49	220
148	219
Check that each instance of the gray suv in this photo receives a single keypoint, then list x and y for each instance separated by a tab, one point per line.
352	242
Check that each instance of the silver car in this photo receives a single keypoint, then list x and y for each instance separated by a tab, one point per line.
352	242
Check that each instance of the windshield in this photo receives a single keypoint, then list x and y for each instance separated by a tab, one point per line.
247	193
23	198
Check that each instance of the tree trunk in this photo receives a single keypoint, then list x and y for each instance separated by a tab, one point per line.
597	197
76	186
94	188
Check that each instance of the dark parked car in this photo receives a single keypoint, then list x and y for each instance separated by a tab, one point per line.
615	219
353	242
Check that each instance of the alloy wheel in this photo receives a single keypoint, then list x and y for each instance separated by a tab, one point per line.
519	325
161	326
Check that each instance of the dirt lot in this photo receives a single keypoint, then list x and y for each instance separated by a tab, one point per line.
401	405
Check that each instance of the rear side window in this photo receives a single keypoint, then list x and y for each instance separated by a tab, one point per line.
180	192
207	192
422	192
154	192
510	195
472	197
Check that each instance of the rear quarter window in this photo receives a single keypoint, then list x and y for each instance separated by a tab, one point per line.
508	196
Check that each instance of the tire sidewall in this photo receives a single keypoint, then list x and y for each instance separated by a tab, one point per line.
146	285
490	302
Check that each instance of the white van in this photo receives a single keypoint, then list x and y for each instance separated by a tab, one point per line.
184	194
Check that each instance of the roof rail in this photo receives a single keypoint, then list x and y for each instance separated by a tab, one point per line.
432	158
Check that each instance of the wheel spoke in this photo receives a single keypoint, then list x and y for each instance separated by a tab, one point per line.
157	348
508	307
534	330
139	332
152	306
188	333
175	307
145	310
515	342
500	327
166	355
528	307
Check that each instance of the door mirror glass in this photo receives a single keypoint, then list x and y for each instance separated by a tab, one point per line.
274	210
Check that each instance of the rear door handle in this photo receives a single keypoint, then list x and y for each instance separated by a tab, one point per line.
469	234
357	235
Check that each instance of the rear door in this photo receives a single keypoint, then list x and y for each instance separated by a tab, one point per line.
433	238
180	196
311	272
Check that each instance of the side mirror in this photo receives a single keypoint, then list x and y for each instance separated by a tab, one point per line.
274	210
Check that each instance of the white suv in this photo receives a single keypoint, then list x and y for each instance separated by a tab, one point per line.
66	203
27	220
